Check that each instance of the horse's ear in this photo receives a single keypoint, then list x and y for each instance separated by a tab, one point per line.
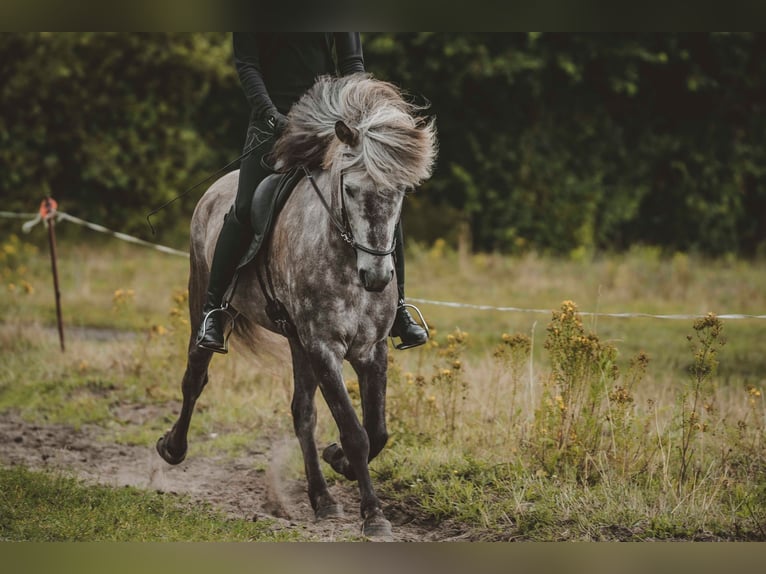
347	135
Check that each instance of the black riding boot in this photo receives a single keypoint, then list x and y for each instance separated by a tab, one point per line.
410	333
232	244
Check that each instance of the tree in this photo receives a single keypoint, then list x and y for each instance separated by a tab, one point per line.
564	141
110	123
554	142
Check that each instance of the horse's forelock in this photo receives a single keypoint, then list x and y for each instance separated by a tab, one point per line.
396	147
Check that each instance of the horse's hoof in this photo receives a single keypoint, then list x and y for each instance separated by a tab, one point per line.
167	455
329	511
377	528
334	456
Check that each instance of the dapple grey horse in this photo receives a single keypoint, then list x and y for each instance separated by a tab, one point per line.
362	146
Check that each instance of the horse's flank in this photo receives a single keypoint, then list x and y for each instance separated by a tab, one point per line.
248	337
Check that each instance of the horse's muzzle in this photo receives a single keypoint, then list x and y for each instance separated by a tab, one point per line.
375	282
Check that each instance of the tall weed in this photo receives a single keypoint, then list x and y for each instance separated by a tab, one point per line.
570	420
697	401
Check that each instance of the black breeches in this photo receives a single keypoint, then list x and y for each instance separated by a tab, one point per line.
251	169
399	258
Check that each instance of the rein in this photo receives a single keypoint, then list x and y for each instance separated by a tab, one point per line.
196	185
344	227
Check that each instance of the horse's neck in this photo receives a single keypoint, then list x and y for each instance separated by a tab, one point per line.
308	222
328	184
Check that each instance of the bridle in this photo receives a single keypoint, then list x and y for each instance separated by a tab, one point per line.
344	226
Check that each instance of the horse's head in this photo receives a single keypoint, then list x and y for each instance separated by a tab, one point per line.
371	208
375	146
371	216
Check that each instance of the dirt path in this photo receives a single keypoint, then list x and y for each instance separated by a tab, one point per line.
249	487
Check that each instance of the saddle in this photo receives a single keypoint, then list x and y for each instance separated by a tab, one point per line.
268	200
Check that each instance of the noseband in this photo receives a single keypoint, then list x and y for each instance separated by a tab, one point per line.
344	226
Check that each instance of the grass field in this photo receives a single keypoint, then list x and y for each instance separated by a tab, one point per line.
50	508
517	425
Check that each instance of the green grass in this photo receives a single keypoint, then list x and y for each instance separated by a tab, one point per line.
468	429
89	283
506	501
640	281
90	381
54	508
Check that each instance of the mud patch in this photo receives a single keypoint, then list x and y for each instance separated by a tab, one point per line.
250	487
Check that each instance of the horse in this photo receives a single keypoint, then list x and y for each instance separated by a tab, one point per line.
363	145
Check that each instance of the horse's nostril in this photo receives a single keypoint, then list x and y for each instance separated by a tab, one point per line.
374	281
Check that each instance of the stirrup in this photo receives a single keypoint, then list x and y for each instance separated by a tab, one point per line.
403	346
203	327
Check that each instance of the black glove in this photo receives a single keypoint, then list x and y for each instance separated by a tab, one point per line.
277	121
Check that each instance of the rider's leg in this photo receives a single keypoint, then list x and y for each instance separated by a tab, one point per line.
231	246
405	327
233	241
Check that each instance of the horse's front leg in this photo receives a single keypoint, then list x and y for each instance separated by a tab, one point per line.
172	446
304	422
353	437
371	370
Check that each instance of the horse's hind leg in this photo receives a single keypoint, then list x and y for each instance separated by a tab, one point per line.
172	446
304	422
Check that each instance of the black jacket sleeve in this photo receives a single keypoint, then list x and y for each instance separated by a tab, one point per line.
247	62
348	48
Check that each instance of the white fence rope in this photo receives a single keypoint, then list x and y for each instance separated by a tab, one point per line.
14	215
60	215
582	313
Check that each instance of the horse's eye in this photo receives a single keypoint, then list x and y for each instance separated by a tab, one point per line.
350	191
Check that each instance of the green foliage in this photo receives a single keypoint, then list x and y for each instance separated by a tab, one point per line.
48	508
110	123
570	421
593	462
464	445
560	143
14	255
698	409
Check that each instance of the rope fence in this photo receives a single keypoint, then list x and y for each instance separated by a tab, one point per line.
582	313
60	215
13	215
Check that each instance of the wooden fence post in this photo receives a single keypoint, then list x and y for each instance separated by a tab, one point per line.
48	212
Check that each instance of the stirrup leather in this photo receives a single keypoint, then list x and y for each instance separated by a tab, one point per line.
403	346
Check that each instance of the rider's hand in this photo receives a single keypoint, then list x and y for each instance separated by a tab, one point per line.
277	122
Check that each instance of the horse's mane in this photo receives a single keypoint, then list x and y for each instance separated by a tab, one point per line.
395	146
